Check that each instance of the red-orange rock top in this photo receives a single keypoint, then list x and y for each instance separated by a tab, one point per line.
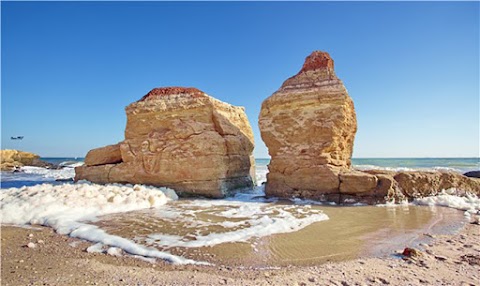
164	91
317	60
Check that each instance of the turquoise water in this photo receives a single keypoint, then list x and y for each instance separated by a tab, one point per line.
460	165
455	164
62	160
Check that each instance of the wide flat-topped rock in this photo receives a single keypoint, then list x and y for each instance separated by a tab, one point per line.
180	138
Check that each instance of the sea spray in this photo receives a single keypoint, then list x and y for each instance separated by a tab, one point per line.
470	203
68	207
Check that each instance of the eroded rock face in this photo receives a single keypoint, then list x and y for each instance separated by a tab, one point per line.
421	184
308	125
13	159
179	138
104	155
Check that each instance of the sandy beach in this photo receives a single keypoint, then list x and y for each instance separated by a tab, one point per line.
60	260
240	143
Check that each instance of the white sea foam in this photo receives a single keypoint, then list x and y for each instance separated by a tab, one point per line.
67	208
242	218
64	173
71	164
260	227
261	172
469	203
299	201
29	175
406	169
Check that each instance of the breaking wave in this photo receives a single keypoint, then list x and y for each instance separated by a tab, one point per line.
68	208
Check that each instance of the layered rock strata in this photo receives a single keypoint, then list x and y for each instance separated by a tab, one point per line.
179	138
309	126
14	159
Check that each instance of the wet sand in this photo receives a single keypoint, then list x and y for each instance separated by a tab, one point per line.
349	232
452	259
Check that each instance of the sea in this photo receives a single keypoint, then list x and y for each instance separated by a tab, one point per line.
246	230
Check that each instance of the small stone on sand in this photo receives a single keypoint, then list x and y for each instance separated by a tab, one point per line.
441	258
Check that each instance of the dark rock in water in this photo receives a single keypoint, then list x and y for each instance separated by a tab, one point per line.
43	164
472	174
64	180
66	164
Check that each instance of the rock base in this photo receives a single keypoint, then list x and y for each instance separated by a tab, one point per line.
379	186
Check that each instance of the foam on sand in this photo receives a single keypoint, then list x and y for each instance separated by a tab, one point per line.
241	218
67	208
264	220
79	210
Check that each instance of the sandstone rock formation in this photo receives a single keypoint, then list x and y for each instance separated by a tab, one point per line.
104	155
179	138
420	184
13	159
309	126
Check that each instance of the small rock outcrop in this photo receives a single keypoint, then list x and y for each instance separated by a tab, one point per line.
408	185
308	125
179	138
416	184
110	154
472	174
13	159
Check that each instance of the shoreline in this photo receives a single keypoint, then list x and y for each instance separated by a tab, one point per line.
452	259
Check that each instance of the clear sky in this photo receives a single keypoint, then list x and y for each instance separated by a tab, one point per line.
69	69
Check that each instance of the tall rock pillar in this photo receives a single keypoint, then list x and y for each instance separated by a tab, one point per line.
309	126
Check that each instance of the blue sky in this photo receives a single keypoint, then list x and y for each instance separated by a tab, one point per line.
69	69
